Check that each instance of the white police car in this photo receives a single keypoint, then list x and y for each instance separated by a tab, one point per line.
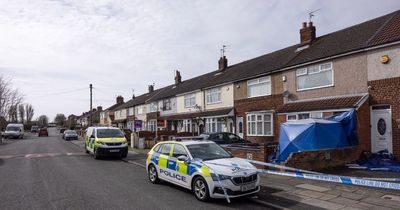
203	167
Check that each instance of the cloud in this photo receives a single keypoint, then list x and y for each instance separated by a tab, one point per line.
53	46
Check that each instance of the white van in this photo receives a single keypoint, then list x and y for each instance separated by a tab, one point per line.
14	131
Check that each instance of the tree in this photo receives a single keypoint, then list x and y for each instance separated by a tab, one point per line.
29	113
60	119
10	99
21	112
43	120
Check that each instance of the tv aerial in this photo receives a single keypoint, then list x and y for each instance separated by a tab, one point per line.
311	14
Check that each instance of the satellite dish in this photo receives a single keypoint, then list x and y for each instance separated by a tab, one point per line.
286	94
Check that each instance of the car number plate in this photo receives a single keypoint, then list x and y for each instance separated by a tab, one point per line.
114	150
247	187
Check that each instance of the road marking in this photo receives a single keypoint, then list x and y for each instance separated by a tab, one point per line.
40	155
135	163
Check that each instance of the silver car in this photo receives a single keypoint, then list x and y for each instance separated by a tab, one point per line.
70	135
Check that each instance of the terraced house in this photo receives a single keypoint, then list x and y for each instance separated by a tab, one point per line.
354	68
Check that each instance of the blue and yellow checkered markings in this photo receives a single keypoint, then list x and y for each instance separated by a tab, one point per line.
173	164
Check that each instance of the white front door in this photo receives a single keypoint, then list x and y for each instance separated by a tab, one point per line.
239	126
381	128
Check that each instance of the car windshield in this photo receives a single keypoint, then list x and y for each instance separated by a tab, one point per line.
70	132
209	151
109	133
11	128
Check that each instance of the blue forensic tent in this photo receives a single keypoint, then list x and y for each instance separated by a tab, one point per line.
313	134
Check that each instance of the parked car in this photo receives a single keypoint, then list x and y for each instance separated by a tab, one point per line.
224	138
105	141
43	132
14	131
194	165
34	129
70	135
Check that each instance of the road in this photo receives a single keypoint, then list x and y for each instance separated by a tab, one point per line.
49	173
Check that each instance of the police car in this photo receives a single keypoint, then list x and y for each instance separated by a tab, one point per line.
203	167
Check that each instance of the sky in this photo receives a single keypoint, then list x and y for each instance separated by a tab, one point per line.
53	49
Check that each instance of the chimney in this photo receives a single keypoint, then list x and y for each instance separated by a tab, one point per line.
222	63
307	33
94	110
151	88
133	96
99	108
178	78
120	99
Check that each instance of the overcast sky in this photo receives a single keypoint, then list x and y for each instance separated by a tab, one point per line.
53	49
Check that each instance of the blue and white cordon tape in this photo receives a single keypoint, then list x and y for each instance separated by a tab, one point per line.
304	174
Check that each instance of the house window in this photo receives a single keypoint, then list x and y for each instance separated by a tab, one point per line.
139	110
152	125
213	95
316	76
153	107
187	126
131	111
259	87
214	125
190	100
166	104
302	116
259	124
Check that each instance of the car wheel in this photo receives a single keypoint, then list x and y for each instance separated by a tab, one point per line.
124	155
153	176
96	154
200	189
86	150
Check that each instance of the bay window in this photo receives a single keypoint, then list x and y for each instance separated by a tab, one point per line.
214	125
259	124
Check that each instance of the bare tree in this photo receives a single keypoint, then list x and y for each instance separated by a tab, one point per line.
60	119
43	120
21	112
29	113
9	100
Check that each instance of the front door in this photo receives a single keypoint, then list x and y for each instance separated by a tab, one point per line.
381	128
239	126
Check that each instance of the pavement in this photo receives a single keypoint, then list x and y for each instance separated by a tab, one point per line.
49	173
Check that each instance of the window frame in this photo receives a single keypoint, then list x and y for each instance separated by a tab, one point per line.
189	97
209	93
167	105
299	113
258	82
297	75
256	115
179	145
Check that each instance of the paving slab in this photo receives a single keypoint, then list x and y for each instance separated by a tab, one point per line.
313	187
353	196
309	193
323	204
382	202
344	201
391	197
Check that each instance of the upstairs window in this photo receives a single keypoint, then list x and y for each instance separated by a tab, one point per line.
213	95
316	76
166	104
259	87
153	107
190	100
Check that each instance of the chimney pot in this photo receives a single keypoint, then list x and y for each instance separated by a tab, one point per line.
307	33
222	63
120	99
99	108
178	78
151	88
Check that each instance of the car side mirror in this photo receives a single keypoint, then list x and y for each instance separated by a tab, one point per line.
183	158
91	137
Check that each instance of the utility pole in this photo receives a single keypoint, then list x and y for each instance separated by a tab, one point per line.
91	109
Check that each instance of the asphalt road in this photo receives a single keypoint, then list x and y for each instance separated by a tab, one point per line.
49	173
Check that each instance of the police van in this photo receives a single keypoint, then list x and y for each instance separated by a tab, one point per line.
203	167
105	141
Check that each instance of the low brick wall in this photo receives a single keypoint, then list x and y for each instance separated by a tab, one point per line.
258	153
322	159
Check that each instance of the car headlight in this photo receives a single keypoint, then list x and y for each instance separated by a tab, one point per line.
125	143
220	176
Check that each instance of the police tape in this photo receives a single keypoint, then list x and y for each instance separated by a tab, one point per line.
323	177
313	172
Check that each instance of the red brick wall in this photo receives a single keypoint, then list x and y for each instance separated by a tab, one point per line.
264	103
387	91
258	153
322	159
